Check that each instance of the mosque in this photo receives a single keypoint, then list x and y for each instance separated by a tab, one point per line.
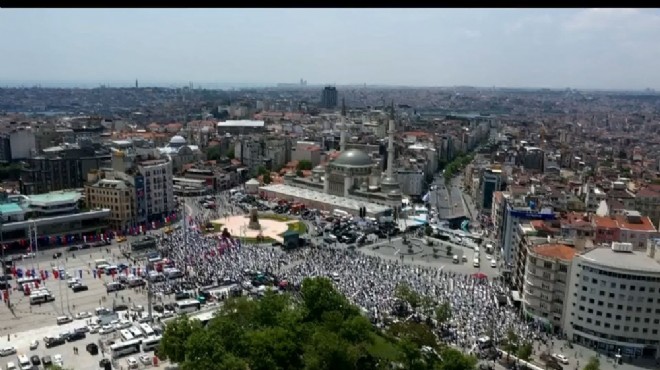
352	177
181	152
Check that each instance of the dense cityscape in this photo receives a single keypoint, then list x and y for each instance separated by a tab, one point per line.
477	228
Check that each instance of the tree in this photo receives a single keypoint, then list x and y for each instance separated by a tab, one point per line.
266	178
304	165
511	342
231	154
443	312
406	294
453	359
213	153
428	230
299	173
525	351
593	364
175	336
449	250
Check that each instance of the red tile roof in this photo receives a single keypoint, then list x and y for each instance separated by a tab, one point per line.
558	251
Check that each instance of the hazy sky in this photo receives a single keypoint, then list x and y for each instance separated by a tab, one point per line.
580	48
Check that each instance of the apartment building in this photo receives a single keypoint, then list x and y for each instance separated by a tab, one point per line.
547	272
116	195
629	227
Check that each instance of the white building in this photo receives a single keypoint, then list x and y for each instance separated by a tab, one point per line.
411	181
614	299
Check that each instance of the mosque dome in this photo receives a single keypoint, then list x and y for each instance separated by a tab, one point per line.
319	169
353	158
177	140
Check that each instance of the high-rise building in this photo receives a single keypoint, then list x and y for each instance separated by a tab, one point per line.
329	97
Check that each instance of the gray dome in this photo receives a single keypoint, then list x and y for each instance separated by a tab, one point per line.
319	169
389	181
353	158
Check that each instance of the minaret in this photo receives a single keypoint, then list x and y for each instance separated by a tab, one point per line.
136	83
390	183
342	133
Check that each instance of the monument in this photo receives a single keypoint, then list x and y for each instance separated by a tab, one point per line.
254	220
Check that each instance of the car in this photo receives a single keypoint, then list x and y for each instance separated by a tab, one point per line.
104	362
76	335
29	255
35	360
83	315
123	325
106	329
137	308
7	351
57	360
57	255
561	358
94	328
46	361
120	307
54	341
34	345
82	329
493	263
121	239
158	308
64	320
145	359
73	248
79	288
132	363
72	282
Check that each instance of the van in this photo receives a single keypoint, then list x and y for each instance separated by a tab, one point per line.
63	320
24	362
475	263
11	366
455	259
464	258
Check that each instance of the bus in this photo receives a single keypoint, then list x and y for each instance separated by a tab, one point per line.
147	330
137	333
189	305
41	296
126	335
150	344
118	350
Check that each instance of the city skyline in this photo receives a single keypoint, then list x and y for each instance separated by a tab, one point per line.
513	48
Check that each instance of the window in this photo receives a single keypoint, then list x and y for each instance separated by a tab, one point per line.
622	286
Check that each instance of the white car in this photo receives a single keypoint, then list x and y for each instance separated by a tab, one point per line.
132	363
29	255
106	329
123	325
7	351
83	315
145	359
167	314
57	360
34	345
138	308
493	263
561	358
94	328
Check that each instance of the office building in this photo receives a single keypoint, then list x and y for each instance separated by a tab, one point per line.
614	298
329	97
116	195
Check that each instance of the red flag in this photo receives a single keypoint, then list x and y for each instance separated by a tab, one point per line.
56	274
43	275
36	284
126	272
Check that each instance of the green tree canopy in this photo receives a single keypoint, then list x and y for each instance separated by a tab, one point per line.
304	165
593	364
319	329
267	179
213	153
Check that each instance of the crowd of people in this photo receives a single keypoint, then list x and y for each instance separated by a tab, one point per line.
368	281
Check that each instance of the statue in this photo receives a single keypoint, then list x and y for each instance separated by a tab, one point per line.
254	219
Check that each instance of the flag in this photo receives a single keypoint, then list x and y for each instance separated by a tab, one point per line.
56	274
34	273
134	271
46	273
80	273
94	273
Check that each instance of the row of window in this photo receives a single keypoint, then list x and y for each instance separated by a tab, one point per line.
620	276
618	317
620	306
614	285
617	326
616	337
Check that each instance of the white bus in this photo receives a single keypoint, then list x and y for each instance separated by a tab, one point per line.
41	296
150	343
126	335
125	348
147	330
137	333
189	305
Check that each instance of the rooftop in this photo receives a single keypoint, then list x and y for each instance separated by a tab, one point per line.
55	197
331	200
9	208
635	260
558	251
241	123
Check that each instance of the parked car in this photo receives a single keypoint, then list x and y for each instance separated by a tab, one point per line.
34	345
35	360
46	361
57	255
145	359
7	351
79	288
53	341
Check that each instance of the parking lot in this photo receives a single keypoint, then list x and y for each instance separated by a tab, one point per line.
29	322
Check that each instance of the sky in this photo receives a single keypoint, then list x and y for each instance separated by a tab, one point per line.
550	48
